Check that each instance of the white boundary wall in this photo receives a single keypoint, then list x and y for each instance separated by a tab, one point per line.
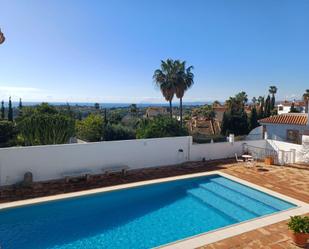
290	152
52	161
221	150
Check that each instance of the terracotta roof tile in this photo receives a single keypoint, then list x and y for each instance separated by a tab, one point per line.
291	118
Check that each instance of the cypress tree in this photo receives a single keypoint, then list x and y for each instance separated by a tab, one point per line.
20	107
10	111
2	110
253	120
261	107
224	124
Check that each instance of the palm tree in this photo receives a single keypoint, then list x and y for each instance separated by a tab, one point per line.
306	99
254	100
174	78
184	80
272	90
165	80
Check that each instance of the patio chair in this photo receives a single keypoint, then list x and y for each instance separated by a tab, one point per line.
237	159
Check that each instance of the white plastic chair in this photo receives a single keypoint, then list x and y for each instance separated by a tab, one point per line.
237	159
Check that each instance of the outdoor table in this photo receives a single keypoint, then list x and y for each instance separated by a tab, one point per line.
246	157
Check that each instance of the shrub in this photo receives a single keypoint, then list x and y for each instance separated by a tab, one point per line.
7	133
160	127
299	224
118	132
91	128
45	125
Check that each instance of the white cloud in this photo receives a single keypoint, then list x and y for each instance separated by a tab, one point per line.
20	92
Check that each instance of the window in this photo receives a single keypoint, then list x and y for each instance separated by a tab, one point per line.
293	136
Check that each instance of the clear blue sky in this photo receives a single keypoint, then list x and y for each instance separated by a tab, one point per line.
107	51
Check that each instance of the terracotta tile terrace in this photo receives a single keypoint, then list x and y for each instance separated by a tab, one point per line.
290	180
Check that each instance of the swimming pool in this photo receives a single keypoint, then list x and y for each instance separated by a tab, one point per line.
140	217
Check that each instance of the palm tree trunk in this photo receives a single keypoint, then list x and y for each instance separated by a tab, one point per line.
171	109
181	112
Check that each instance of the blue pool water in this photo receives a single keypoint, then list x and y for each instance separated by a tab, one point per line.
142	217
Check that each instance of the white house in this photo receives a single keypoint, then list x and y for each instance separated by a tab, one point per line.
285	107
287	127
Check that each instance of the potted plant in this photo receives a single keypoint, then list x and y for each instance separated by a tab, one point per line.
269	160
300	230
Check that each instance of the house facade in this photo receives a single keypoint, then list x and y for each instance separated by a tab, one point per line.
285	107
152	112
288	127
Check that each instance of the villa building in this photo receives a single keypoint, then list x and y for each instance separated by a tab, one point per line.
285	107
286	127
152	112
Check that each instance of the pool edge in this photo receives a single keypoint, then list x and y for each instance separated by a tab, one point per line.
199	239
213	236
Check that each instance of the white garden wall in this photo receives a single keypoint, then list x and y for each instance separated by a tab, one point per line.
291	152
50	162
220	150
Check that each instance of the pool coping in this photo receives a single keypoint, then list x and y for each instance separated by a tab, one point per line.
199	239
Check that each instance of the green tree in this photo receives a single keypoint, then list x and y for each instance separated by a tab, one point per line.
20	107
10	110
91	129
184	80
293	109
46	109
160	127
7	133
261	102
165	80
253	119
306	99
272	90
2	110
96	106
118	132
235	119
254	100
41	126
133	110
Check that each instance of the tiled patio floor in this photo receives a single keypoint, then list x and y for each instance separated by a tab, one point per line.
290	181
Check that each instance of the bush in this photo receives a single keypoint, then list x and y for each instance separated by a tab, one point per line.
91	129
160	127
118	132
45	125
7	133
299	224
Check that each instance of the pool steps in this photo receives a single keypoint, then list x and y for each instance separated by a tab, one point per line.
226	207
242	201
270	201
